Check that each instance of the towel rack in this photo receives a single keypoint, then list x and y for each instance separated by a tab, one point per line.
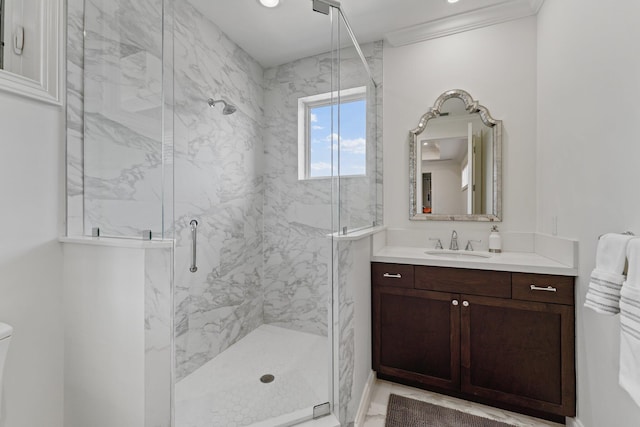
627	233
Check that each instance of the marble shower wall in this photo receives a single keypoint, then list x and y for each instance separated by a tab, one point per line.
157	341
123	162
297	213
342	266
75	117
218	181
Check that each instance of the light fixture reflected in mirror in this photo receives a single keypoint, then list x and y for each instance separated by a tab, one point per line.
430	150
269	3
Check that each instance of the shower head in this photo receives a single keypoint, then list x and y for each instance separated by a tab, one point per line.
228	107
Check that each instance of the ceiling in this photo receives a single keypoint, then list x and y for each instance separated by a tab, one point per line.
293	30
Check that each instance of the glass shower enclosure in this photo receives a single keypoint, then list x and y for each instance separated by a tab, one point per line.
252	165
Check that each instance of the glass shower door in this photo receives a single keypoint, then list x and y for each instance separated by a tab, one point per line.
123	162
253	300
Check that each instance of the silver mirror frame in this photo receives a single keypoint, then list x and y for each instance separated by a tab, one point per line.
472	106
48	87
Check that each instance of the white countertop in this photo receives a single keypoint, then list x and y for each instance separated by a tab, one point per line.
522	262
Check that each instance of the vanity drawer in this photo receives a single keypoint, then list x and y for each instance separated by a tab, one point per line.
464	281
543	288
395	275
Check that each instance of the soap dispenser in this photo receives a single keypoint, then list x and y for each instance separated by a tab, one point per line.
495	241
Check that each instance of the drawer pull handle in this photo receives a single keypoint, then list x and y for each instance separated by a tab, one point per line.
392	276
548	288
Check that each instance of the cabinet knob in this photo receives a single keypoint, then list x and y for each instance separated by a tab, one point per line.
465	303
454	302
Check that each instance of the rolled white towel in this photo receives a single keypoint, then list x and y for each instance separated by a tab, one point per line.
604	292
603	295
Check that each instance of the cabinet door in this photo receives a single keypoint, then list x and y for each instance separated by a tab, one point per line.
519	352
416	336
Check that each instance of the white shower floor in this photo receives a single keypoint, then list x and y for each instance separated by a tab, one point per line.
227	392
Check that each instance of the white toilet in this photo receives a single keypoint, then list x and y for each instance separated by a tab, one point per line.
5	338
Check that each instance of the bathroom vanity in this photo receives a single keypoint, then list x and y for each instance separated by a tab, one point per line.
499	336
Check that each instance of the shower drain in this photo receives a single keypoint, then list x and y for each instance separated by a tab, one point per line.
267	378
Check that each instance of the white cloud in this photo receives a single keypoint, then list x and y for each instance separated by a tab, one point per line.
356	146
331	137
317	127
321	166
314	118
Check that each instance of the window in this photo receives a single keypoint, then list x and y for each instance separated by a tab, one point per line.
317	141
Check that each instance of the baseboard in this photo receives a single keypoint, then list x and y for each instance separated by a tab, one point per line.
574	422
365	401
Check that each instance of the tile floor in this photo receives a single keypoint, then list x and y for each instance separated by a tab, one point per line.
382	389
227	391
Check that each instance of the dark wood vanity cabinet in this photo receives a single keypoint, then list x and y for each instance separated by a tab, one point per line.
496	337
417	336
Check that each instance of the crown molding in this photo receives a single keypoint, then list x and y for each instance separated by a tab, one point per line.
491	15
536	5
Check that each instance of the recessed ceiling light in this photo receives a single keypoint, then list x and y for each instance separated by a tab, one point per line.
269	3
452	1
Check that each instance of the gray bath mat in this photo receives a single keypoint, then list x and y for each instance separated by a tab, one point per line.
405	412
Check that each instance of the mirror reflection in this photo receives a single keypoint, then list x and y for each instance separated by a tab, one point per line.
455	162
20	33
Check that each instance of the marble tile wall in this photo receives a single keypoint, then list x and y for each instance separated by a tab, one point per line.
218	182
345	328
123	117
75	117
297	213
157	337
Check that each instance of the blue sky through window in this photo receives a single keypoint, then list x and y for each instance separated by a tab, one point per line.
352	139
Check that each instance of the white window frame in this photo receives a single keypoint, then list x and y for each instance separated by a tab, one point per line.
305	104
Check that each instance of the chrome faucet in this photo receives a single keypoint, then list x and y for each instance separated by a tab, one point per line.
470	246
438	242
453	246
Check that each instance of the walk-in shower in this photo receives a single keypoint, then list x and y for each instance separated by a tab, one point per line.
262	325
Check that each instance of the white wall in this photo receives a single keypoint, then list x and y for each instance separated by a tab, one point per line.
31	261
104	336
360	280
497	66
588	157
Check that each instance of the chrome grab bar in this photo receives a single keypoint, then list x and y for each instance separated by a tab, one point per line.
194	235
392	276
538	288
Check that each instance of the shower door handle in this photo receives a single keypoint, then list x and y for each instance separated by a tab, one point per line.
194	235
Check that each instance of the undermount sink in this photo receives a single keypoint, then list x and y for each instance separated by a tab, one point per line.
457	254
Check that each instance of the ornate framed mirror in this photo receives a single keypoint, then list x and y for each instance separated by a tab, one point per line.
455	162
